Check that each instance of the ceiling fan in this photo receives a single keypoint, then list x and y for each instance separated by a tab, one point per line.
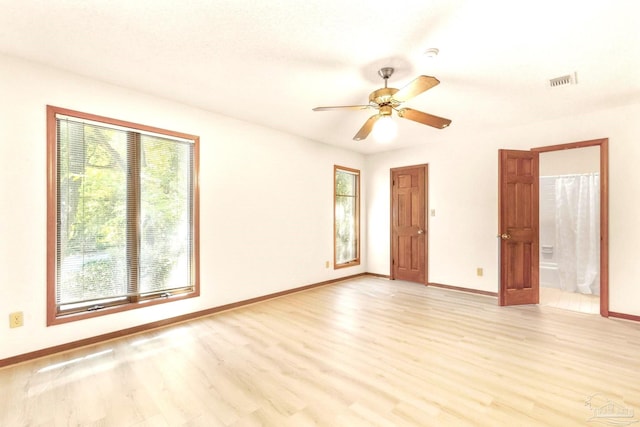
388	99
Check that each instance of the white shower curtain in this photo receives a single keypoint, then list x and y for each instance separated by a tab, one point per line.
578	232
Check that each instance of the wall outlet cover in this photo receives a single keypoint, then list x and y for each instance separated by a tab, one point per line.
16	319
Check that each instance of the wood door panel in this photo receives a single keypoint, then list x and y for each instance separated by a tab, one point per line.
518	261
408	224
409	253
519	257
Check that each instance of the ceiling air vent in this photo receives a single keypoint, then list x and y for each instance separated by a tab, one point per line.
569	79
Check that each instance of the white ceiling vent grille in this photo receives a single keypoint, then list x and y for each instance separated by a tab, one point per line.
569	79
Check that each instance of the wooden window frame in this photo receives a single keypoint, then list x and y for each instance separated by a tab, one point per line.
357	174
139	300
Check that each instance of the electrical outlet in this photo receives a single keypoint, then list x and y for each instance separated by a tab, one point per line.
16	319
327	264
479	271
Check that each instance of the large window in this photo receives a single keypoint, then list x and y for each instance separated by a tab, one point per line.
122	215
346	221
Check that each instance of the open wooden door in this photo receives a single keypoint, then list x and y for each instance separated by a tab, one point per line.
518	227
408	223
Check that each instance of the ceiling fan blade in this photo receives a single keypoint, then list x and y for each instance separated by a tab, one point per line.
366	129
344	107
416	87
424	118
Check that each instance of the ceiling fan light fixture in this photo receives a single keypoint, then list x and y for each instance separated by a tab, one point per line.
385	129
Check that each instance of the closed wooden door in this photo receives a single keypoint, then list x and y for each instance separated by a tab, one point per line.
408	223
518	227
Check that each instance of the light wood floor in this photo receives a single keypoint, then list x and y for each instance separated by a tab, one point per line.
366	352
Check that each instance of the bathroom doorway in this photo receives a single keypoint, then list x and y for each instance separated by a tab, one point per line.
569	195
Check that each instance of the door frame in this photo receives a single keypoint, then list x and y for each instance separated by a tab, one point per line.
603	144
425	166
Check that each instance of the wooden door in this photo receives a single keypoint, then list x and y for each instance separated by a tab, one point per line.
518	227
408	223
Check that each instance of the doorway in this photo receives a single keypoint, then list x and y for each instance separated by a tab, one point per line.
408	223
519	275
570	229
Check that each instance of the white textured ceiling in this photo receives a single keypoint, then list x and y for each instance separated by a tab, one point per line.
271	62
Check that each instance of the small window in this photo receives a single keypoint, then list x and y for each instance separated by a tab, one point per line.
122	215
346	215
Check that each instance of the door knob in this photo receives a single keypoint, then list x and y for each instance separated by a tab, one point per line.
505	236
420	231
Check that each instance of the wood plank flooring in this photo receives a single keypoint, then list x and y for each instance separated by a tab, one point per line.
364	352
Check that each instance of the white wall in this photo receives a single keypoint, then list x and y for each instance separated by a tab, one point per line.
266	203
463	191
567	162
